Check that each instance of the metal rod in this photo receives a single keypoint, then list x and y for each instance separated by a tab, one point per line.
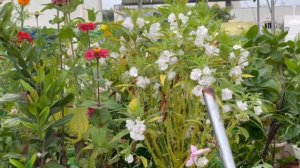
258	16
273	16
140	4
218	127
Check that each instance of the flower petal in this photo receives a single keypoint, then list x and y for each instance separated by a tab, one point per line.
189	163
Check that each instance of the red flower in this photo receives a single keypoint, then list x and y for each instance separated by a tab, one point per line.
90	112
101	53
85	27
90	54
60	2
24	36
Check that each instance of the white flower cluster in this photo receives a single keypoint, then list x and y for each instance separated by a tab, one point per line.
201	162
154	33
136	128
236	72
202	35
226	95
257	109
174	23
165	59
142	82
127	23
203	77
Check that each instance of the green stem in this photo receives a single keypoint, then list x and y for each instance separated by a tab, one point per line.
98	84
22	17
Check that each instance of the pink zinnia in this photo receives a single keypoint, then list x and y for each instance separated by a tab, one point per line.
85	27
101	53
90	112
24	36
90	54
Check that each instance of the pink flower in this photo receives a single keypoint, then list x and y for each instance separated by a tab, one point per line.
101	53
85	27
194	155
90	112
90	54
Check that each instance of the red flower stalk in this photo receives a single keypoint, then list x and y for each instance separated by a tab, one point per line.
24	36
90	112
85	27
101	53
90	54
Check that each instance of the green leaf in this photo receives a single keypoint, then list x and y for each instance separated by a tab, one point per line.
118	136
44	115
276	55
62	121
91	15
16	163
32	161
52	164
66	33
113	105
252	32
11	122
58	106
244	132
9	98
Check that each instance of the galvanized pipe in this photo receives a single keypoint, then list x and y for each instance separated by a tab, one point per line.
218	127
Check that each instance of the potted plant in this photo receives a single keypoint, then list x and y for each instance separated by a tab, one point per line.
296	148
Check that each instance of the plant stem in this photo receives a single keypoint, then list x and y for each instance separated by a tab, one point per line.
22	17
98	85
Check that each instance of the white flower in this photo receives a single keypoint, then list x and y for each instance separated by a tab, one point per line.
237	47
259	102
208	71
207	122
14	111
123	50
202	32
196	74
118	97
142	82
210	50
154	33
257	110
171	18
180	52
184	19
140	22
156	86
236	73
127	23
108	84
130	124
166	57
242	106
136	128
171	75
242	117
201	162
133	72
129	158
189	13
197	91
243	61
226	108
226	94
114	55
231	55
206	80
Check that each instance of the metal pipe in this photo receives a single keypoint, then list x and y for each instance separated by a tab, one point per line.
258	16
273	16
140	4
218	127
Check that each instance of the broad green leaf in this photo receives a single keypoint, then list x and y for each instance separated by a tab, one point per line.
113	105
62	121
66	33
44	115
11	122
91	15
252	32
79	124
118	136
58	106
32	161
9	98
16	163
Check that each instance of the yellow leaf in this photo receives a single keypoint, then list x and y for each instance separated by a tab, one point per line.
133	106
144	161
247	76
79	123
155	119
162	79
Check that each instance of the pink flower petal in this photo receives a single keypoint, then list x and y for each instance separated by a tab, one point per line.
193	149
189	163
201	151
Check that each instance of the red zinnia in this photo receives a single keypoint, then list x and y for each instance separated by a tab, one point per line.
85	27
101	53
90	54
24	36
90	112
60	2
